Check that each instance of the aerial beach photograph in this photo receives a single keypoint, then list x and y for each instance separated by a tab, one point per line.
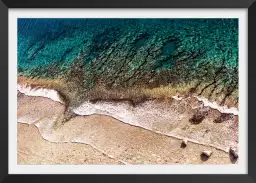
127	91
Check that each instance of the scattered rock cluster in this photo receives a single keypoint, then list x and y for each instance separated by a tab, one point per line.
207	153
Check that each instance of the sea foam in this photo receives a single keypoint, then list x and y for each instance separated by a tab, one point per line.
159	117
40	92
99	108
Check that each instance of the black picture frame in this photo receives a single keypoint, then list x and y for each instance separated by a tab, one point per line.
6	4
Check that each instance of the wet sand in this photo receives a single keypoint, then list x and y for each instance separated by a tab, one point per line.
33	149
105	140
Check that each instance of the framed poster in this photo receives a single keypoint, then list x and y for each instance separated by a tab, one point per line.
117	88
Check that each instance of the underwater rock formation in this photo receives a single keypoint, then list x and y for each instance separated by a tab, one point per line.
196	56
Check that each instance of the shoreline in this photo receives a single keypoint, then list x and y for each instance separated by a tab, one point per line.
156	129
55	96
110	136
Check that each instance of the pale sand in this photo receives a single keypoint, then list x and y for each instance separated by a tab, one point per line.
120	142
33	149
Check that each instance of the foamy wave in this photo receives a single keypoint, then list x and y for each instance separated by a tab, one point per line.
157	115
101	108
40	92
214	105
161	117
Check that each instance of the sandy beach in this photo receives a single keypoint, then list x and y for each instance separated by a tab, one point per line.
104	140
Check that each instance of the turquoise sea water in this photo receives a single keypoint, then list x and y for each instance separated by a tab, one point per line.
44	41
